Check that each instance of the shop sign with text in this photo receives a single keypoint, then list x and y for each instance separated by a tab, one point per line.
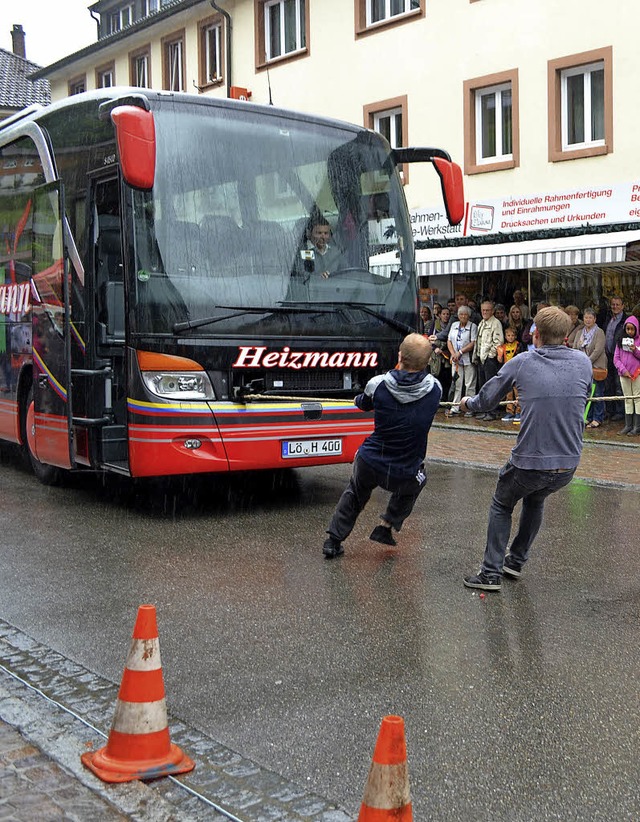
593	205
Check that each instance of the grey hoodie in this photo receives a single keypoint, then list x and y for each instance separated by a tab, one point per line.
553	383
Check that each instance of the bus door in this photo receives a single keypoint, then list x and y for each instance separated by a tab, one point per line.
109	323
51	424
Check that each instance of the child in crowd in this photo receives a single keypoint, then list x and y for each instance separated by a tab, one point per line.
626	359
507	351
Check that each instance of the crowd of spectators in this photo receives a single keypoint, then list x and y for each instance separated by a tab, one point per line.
470	347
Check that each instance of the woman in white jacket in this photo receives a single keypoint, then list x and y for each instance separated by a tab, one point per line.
591	339
461	342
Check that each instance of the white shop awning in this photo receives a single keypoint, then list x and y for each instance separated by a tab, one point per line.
583	249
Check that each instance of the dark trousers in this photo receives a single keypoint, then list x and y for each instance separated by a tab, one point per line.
514	484
487	369
445	381
404	493
613	389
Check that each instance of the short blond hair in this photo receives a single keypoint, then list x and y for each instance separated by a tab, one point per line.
415	351
553	325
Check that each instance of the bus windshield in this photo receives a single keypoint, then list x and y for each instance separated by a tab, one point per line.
226	243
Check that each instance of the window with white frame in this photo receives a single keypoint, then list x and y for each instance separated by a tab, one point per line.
580	88
389	118
105	78
120	18
284	27
174	57
583	108
77	86
211	51
389	124
491	122
381	10
494	123
140	70
150	7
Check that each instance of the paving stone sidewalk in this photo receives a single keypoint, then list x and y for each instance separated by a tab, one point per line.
33	786
608	458
59	709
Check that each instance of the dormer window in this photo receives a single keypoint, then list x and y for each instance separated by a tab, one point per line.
119	18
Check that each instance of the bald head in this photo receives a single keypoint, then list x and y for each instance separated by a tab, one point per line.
415	352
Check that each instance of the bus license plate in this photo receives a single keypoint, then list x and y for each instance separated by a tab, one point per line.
311	448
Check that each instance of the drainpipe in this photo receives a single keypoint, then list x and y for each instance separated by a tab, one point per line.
227	17
97	19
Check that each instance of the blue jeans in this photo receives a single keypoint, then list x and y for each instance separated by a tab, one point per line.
596	411
532	487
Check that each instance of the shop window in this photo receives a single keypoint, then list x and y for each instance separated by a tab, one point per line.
491	122
580	105
105	76
173	66
389	118
373	14
282	29
210	57
77	85
140	67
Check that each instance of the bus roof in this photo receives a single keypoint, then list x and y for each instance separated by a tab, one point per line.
147	98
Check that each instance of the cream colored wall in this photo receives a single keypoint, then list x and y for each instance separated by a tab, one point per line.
428	60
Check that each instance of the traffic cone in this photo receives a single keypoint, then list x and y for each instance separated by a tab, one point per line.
386	795
139	746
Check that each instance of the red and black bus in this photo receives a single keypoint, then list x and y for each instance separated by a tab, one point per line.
161	309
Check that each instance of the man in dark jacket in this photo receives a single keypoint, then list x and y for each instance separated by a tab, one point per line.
404	402
614	331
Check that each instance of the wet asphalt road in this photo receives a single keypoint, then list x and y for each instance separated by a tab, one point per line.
519	706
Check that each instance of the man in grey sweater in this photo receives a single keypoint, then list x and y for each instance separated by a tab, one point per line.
553	383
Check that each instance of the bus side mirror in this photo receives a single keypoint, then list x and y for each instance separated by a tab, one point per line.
136	138
452	188
449	172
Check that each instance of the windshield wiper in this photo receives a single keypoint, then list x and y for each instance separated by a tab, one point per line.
388	320
367	310
178	328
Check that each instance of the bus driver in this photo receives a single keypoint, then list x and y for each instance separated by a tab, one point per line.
326	255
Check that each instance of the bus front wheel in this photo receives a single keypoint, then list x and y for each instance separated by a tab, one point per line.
47	474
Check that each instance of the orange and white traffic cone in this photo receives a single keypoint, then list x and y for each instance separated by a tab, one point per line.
386	795
139	746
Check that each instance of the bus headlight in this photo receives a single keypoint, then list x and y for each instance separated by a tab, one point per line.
176	385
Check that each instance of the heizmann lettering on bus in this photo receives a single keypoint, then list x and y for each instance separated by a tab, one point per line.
197	285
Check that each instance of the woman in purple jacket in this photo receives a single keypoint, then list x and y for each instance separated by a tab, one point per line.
626	359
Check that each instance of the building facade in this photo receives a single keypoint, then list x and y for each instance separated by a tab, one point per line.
533	99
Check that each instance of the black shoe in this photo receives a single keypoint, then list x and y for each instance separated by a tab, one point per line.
487	582
510	569
490	416
382	534
332	548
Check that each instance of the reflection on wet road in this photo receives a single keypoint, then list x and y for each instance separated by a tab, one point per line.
519	706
